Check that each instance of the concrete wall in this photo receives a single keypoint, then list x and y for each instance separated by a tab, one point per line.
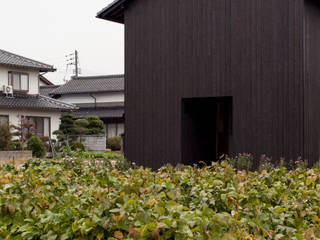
94	143
86	98
33	78
8	156
15	115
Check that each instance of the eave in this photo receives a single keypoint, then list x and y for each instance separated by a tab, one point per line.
113	12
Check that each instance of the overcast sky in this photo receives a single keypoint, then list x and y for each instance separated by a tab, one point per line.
49	30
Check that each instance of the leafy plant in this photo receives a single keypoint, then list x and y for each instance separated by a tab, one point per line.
114	143
244	161
15	146
67	125
77	146
96	126
5	137
36	146
80	199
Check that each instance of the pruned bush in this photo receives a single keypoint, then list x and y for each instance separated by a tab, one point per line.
77	146
114	143
96	126
5	137
37	147
15	146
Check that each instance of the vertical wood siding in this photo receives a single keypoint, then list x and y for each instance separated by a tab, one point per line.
312	80
251	50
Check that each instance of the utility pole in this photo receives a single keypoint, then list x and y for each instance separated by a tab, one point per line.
76	63
73	59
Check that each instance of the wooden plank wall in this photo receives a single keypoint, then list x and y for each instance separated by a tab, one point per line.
312	80
251	50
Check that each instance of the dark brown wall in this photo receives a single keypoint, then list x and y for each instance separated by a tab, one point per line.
312	79
252	50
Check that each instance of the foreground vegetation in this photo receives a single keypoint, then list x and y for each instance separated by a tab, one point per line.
68	199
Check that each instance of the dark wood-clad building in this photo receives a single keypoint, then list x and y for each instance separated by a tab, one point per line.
207	77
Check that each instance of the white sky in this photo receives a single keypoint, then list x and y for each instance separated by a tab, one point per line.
49	30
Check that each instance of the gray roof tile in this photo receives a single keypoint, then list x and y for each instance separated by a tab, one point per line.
14	60
46	90
93	84
100	112
26	101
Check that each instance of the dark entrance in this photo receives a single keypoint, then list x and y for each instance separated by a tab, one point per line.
206	128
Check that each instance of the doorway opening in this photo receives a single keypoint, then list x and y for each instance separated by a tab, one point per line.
206	129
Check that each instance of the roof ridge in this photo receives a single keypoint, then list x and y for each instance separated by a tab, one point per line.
51	100
29	59
97	77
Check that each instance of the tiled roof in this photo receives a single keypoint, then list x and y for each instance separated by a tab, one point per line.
26	101
14	60
93	84
46	90
45	80
100	112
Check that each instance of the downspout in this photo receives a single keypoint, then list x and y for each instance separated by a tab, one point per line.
95	100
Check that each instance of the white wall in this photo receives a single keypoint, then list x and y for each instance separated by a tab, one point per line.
33	78
86	98
15	114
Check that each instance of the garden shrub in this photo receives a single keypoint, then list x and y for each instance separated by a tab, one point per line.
96	126
5	137
77	146
114	143
52	199
15	146
37	147
317	165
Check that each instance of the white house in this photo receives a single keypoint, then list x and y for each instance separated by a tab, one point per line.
101	96
19	94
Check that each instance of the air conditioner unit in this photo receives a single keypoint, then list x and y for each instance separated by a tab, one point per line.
7	89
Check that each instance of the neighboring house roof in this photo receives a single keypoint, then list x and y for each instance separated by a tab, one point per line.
46	90
45	80
14	60
92	84
113	12
27	101
100	112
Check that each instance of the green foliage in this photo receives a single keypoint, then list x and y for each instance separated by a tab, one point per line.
5	137
317	165
114	143
70	199
81	126
15	146
36	146
67	125
77	146
96	126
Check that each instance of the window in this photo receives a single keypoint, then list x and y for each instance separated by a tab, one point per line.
4	120
42	126
115	129
19	81
112	130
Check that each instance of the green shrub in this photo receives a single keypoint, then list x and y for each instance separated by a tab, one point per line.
114	143
69	199
77	146
37	147
5	137
15	146
244	161
96	126
317	165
